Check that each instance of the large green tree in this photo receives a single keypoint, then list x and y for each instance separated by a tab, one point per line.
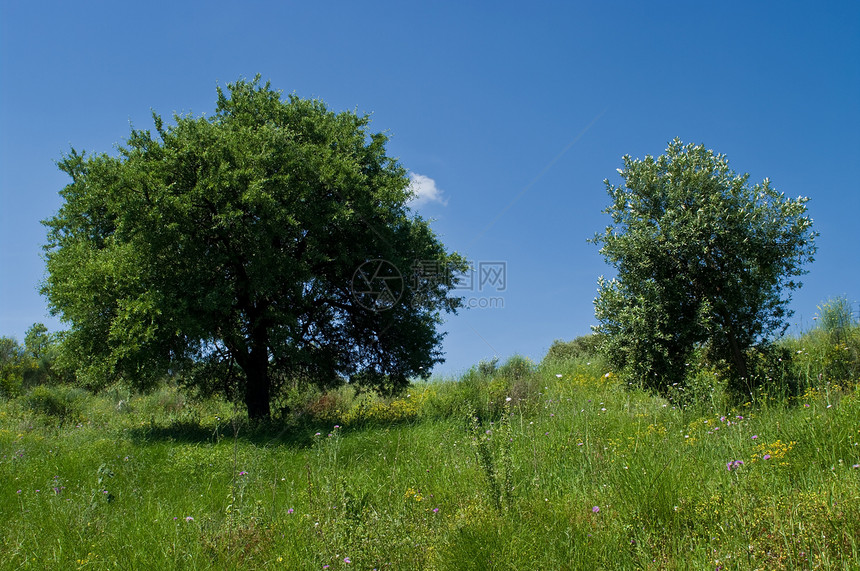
268	242
703	260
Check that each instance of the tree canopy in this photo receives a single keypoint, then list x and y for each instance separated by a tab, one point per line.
32	364
703	260
266	243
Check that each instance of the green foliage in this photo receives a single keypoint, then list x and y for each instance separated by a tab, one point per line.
517	380
597	476
842	355
42	350
13	365
836	317
583	347
829	353
493	443
33	364
62	403
345	406
227	248
704	260
484	391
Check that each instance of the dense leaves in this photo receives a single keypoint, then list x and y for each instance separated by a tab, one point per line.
225	249
33	364
704	261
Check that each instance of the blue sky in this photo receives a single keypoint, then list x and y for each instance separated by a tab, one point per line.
513	113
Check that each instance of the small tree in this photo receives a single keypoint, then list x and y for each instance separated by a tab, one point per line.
703	260
40	349
841	340
23	367
13	365
269	242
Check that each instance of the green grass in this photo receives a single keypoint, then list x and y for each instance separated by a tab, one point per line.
573	472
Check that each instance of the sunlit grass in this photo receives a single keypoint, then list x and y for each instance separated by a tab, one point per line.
518	466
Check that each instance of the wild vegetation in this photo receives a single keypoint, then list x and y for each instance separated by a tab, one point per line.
519	465
268	242
260	398
705	263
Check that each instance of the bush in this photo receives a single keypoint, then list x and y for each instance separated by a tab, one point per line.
468	395
771	375
484	390
828	353
582	347
331	406
520	383
63	403
842	351
12	367
375	410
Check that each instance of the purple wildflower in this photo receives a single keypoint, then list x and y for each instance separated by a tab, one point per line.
766	457
595	509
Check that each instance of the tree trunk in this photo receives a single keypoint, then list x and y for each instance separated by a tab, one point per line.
257	393
738	356
257	387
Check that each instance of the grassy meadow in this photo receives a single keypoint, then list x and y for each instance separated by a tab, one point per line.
555	465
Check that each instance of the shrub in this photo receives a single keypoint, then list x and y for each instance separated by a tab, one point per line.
12	367
470	394
331	406
842	352
584	346
521	384
830	352
63	403
382	411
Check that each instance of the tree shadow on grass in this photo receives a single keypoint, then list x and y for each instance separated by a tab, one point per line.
260	433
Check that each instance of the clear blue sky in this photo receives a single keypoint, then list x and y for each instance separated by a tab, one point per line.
516	113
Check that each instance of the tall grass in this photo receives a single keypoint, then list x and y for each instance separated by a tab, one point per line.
515	466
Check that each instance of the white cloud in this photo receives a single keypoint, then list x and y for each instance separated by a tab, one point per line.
425	191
